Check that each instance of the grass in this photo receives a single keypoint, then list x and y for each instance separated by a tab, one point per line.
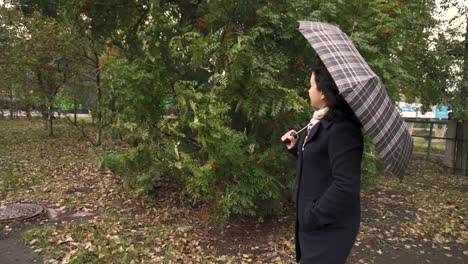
434	149
62	173
109	240
28	156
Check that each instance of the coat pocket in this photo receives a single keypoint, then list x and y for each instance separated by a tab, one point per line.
309	220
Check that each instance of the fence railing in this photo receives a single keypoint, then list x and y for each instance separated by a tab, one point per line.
430	136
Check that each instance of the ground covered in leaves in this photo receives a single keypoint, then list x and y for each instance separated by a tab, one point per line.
93	219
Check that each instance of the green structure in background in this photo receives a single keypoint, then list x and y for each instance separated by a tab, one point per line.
168	105
64	105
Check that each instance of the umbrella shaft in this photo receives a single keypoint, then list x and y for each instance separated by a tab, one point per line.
302	129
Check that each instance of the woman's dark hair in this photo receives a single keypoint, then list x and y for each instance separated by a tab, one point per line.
338	107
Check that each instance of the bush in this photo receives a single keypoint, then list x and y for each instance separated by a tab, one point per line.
372	165
142	167
237	85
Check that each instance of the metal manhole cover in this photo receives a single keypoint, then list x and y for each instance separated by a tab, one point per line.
13	212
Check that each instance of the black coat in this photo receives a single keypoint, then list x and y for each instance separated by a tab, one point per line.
328	182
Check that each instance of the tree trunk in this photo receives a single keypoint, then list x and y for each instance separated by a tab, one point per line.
2	114
51	121
462	148
98	104
10	93
465	84
74	110
28	110
98	111
465	65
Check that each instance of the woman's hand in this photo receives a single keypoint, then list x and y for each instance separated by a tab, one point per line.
289	139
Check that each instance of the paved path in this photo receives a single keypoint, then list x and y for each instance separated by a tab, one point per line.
13	251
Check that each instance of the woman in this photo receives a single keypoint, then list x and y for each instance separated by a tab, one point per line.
328	175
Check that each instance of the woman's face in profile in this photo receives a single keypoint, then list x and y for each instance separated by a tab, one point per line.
317	98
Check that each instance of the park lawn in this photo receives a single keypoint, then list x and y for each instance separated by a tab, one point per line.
93	219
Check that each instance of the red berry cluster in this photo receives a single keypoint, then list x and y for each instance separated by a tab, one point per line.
300	63
201	24
86	6
228	32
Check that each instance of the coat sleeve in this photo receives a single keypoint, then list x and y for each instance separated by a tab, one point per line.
293	150
345	148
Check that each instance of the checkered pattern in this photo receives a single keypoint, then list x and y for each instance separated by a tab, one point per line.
364	92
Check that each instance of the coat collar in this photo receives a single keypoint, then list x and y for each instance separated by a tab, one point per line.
327	123
313	132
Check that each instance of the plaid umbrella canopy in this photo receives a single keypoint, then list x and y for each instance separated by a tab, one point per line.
364	92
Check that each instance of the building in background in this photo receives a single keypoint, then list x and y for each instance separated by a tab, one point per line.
414	111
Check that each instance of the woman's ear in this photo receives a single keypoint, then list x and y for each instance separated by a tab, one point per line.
322	96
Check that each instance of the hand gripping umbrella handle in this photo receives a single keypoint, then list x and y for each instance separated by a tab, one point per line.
287	141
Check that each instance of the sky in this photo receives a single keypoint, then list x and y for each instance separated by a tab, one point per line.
447	15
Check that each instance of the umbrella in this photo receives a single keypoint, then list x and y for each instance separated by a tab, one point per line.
364	92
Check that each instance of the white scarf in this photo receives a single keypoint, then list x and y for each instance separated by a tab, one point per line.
319	114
